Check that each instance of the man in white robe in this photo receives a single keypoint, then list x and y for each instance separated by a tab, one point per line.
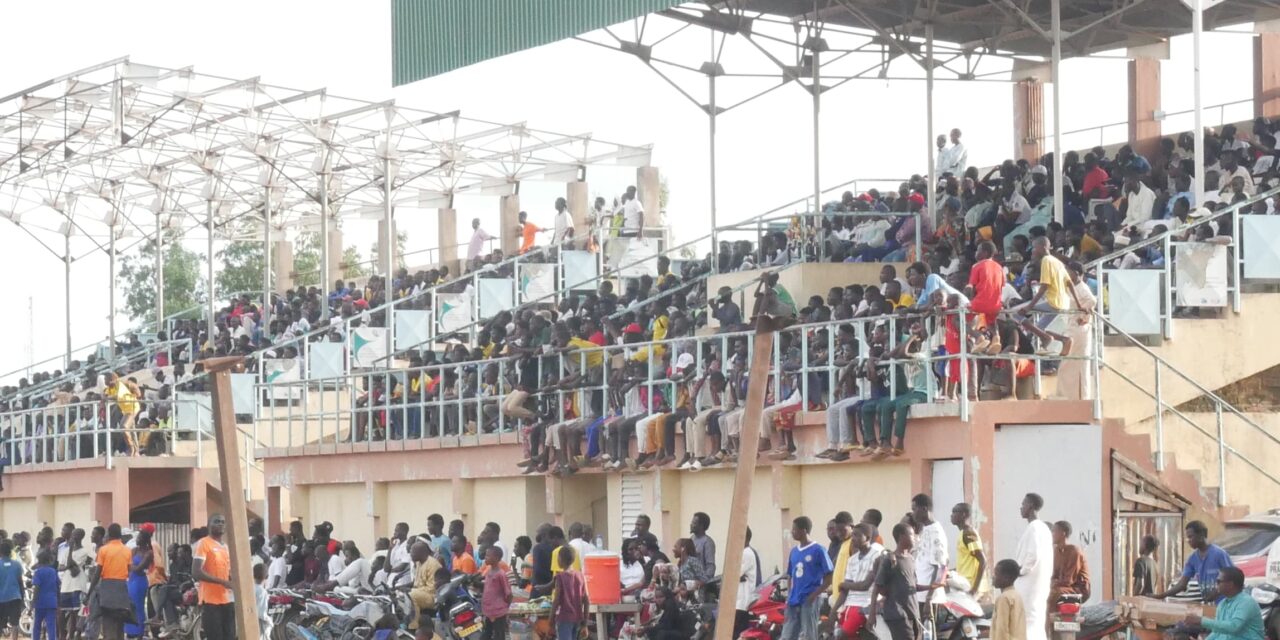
1035	556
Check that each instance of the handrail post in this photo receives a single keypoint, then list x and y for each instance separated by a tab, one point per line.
1237	262
1222	456
1159	421
1095	362
1168	289
964	365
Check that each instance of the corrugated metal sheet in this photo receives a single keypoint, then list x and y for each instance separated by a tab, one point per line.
430	37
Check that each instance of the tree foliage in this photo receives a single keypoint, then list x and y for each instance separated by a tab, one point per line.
183	286
402	240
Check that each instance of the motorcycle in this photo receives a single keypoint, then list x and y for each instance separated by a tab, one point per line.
961	617
769	610
1267	596
458	609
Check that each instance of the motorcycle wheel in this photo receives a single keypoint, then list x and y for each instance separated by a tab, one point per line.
27	622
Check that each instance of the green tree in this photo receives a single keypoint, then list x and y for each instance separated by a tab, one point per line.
352	263
183	287
241	271
306	260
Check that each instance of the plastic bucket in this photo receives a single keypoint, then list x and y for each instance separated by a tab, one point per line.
602	573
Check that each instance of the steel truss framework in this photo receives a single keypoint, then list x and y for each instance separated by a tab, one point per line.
114	154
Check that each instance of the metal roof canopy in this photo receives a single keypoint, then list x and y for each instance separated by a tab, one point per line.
138	147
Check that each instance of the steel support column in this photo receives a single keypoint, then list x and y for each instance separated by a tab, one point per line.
210	287
817	142
266	258
1058	174
1197	130
111	284
324	231
711	146
928	102
159	272
66	261
388	260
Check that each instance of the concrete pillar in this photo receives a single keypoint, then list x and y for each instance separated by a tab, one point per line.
1028	119
1266	74
464	505
508	222
335	260
120	497
198	498
44	511
274	517
383	248
648	188
666	521
447	237
553	493
579	199
101	507
282	265
1144	101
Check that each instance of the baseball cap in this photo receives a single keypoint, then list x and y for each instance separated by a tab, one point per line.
633	328
684	362
148	527
1040	170
915	198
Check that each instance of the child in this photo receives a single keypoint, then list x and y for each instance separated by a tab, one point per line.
1009	622
569	602
45	601
496	598
260	597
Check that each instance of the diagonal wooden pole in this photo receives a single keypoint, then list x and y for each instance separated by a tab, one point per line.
747	453
233	503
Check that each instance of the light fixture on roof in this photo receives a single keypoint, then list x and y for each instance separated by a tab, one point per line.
323	131
212	189
66	229
157	204
11	216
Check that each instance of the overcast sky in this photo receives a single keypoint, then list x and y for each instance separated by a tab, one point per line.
871	128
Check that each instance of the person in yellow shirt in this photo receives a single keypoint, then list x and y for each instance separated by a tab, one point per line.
127	402
842	527
971	560
1053	296
661	325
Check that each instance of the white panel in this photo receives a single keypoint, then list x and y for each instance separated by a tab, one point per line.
1200	274
1133	300
193	411
242	396
326	360
947	491
581	269
638	257
1261	239
413	328
537	282
496	295
453	311
1062	463
368	346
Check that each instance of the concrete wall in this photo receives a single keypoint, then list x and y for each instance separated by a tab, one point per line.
72	508
19	514
412	502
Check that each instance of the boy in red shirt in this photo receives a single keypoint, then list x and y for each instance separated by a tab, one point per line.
569	605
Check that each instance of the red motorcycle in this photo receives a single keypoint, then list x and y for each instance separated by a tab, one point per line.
769	609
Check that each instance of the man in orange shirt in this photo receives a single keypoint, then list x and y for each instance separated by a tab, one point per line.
462	561
211	569
528	232
111	583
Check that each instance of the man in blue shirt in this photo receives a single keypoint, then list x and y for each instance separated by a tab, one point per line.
1204	564
809	568
10	589
1238	617
45	581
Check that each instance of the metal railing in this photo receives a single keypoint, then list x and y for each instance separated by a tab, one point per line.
463	400
141	355
1245	108
1220	406
68	433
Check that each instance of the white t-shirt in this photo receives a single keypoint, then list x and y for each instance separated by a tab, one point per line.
355	575
478	238
82	557
631	574
930	554
582	548
749	578
277	573
857	570
563	227
336	565
632	214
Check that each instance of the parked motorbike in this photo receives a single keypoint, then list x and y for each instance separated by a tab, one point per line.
961	617
768	610
1267	596
458	609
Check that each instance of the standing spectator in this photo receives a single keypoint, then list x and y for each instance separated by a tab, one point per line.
632	215
45	583
496	597
462	561
896	582
971	560
73	561
110	583
748	581
528	232
569	602
1204	564
1009	621
142	559
957	156
1052	297
262	600
809	568
563	225
931	557
1144	568
860	573
478	238
704	546
211	569
10	589
1035	558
